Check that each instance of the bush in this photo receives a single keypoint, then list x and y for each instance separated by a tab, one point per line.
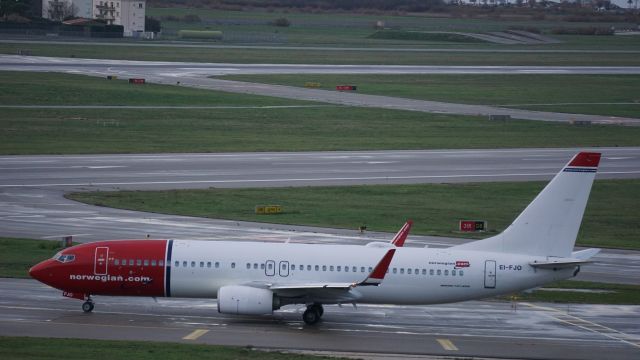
191	18
282	22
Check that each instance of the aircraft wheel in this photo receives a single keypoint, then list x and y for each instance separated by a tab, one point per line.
87	306
318	308
311	316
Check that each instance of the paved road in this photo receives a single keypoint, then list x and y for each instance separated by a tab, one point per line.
196	75
31	189
478	328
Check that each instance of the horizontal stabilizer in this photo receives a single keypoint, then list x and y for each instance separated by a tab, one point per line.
585	254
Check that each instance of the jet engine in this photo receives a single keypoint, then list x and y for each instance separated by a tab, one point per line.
246	300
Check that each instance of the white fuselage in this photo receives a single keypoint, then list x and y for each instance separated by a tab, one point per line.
415	276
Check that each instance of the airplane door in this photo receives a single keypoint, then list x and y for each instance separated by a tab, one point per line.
284	268
270	268
101	260
490	274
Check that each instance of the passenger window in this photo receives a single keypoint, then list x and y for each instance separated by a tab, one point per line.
346	269
338	268
261	266
362	269
270	266
461	273
453	273
209	264
138	262
301	267
255	266
130	262
154	263
439	272
355	269
293	267
201	264
424	271
430	271
308	267
409	271
330	267
446	272
184	264
395	270
146	262
217	264
317	268
193	264
248	266
116	262
176	263
416	271
233	265
324	267
370	269
161	263
402	271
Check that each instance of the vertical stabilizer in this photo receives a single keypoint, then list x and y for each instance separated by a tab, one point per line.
549	225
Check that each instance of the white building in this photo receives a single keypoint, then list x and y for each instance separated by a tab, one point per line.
128	13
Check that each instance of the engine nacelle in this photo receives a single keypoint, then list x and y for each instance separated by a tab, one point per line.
246	300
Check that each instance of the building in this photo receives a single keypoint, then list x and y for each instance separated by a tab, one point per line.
128	13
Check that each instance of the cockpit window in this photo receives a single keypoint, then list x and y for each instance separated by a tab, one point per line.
64	258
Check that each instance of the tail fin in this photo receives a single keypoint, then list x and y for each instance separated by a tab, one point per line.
402	234
549	225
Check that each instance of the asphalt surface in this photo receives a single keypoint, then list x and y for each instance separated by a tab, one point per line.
478	328
32	188
196	75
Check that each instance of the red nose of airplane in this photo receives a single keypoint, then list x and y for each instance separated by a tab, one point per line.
41	271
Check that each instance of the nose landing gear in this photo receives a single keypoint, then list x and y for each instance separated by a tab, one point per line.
313	314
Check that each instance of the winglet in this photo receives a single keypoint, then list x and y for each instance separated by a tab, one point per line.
378	273
402	234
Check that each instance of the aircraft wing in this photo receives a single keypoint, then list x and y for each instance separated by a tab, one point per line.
373	279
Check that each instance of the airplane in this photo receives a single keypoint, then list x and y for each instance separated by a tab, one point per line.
256	278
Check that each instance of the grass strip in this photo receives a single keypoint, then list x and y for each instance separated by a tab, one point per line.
87	131
588	293
27	348
610	219
317	56
525	90
18	255
35	88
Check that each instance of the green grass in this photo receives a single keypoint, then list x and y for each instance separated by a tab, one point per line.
71	131
31	88
610	219
518	91
611	294
18	255
424	36
26	348
318	56
77	131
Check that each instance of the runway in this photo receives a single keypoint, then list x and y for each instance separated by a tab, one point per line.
32	188
477	328
197	75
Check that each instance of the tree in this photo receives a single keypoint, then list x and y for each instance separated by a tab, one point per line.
152	24
19	7
60	10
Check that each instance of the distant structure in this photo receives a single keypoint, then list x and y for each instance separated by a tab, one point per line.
128	13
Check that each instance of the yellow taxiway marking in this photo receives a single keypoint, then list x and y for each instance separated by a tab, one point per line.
586	324
195	334
447	344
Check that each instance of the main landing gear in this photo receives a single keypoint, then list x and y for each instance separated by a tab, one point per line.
313	314
87	306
